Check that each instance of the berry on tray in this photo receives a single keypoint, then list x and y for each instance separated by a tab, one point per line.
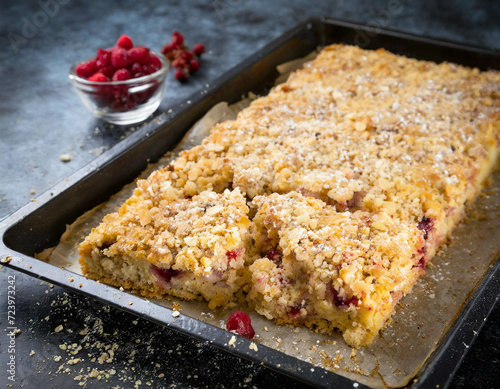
240	323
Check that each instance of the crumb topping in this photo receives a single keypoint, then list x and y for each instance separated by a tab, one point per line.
356	169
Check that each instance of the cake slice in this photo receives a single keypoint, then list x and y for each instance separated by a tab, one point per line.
190	248
331	270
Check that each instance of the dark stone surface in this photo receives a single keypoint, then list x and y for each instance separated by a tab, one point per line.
43	118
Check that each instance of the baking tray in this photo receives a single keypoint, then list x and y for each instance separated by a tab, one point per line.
40	224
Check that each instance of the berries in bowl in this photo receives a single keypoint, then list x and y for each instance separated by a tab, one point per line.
122	85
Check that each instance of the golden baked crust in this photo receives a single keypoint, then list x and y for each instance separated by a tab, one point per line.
329	269
351	122
188	248
380	141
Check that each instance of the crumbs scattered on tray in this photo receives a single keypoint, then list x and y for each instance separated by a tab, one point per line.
89	344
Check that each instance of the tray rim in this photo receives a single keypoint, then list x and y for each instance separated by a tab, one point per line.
451	349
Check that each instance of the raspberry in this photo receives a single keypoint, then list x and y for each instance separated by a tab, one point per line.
138	54
146	69
176	52
194	65
125	42
98	77
86	68
103	58
181	57
108	71
240	323
119	92
181	74
177	38
179	62
154	62
144	96
122	104
121	63
136	70
169	47
187	55
198	49
122	75
119	58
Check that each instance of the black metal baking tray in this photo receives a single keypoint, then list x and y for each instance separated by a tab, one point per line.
40	224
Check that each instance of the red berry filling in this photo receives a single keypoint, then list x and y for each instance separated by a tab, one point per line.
165	274
232	255
181	57
240	323
274	255
426	225
294	312
340	301
422	261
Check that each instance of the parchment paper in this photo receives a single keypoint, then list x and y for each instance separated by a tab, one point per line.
421	318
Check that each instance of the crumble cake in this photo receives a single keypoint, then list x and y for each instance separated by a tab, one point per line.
189	248
328	269
386	147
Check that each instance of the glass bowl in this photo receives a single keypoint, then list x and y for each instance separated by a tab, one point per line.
123	102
